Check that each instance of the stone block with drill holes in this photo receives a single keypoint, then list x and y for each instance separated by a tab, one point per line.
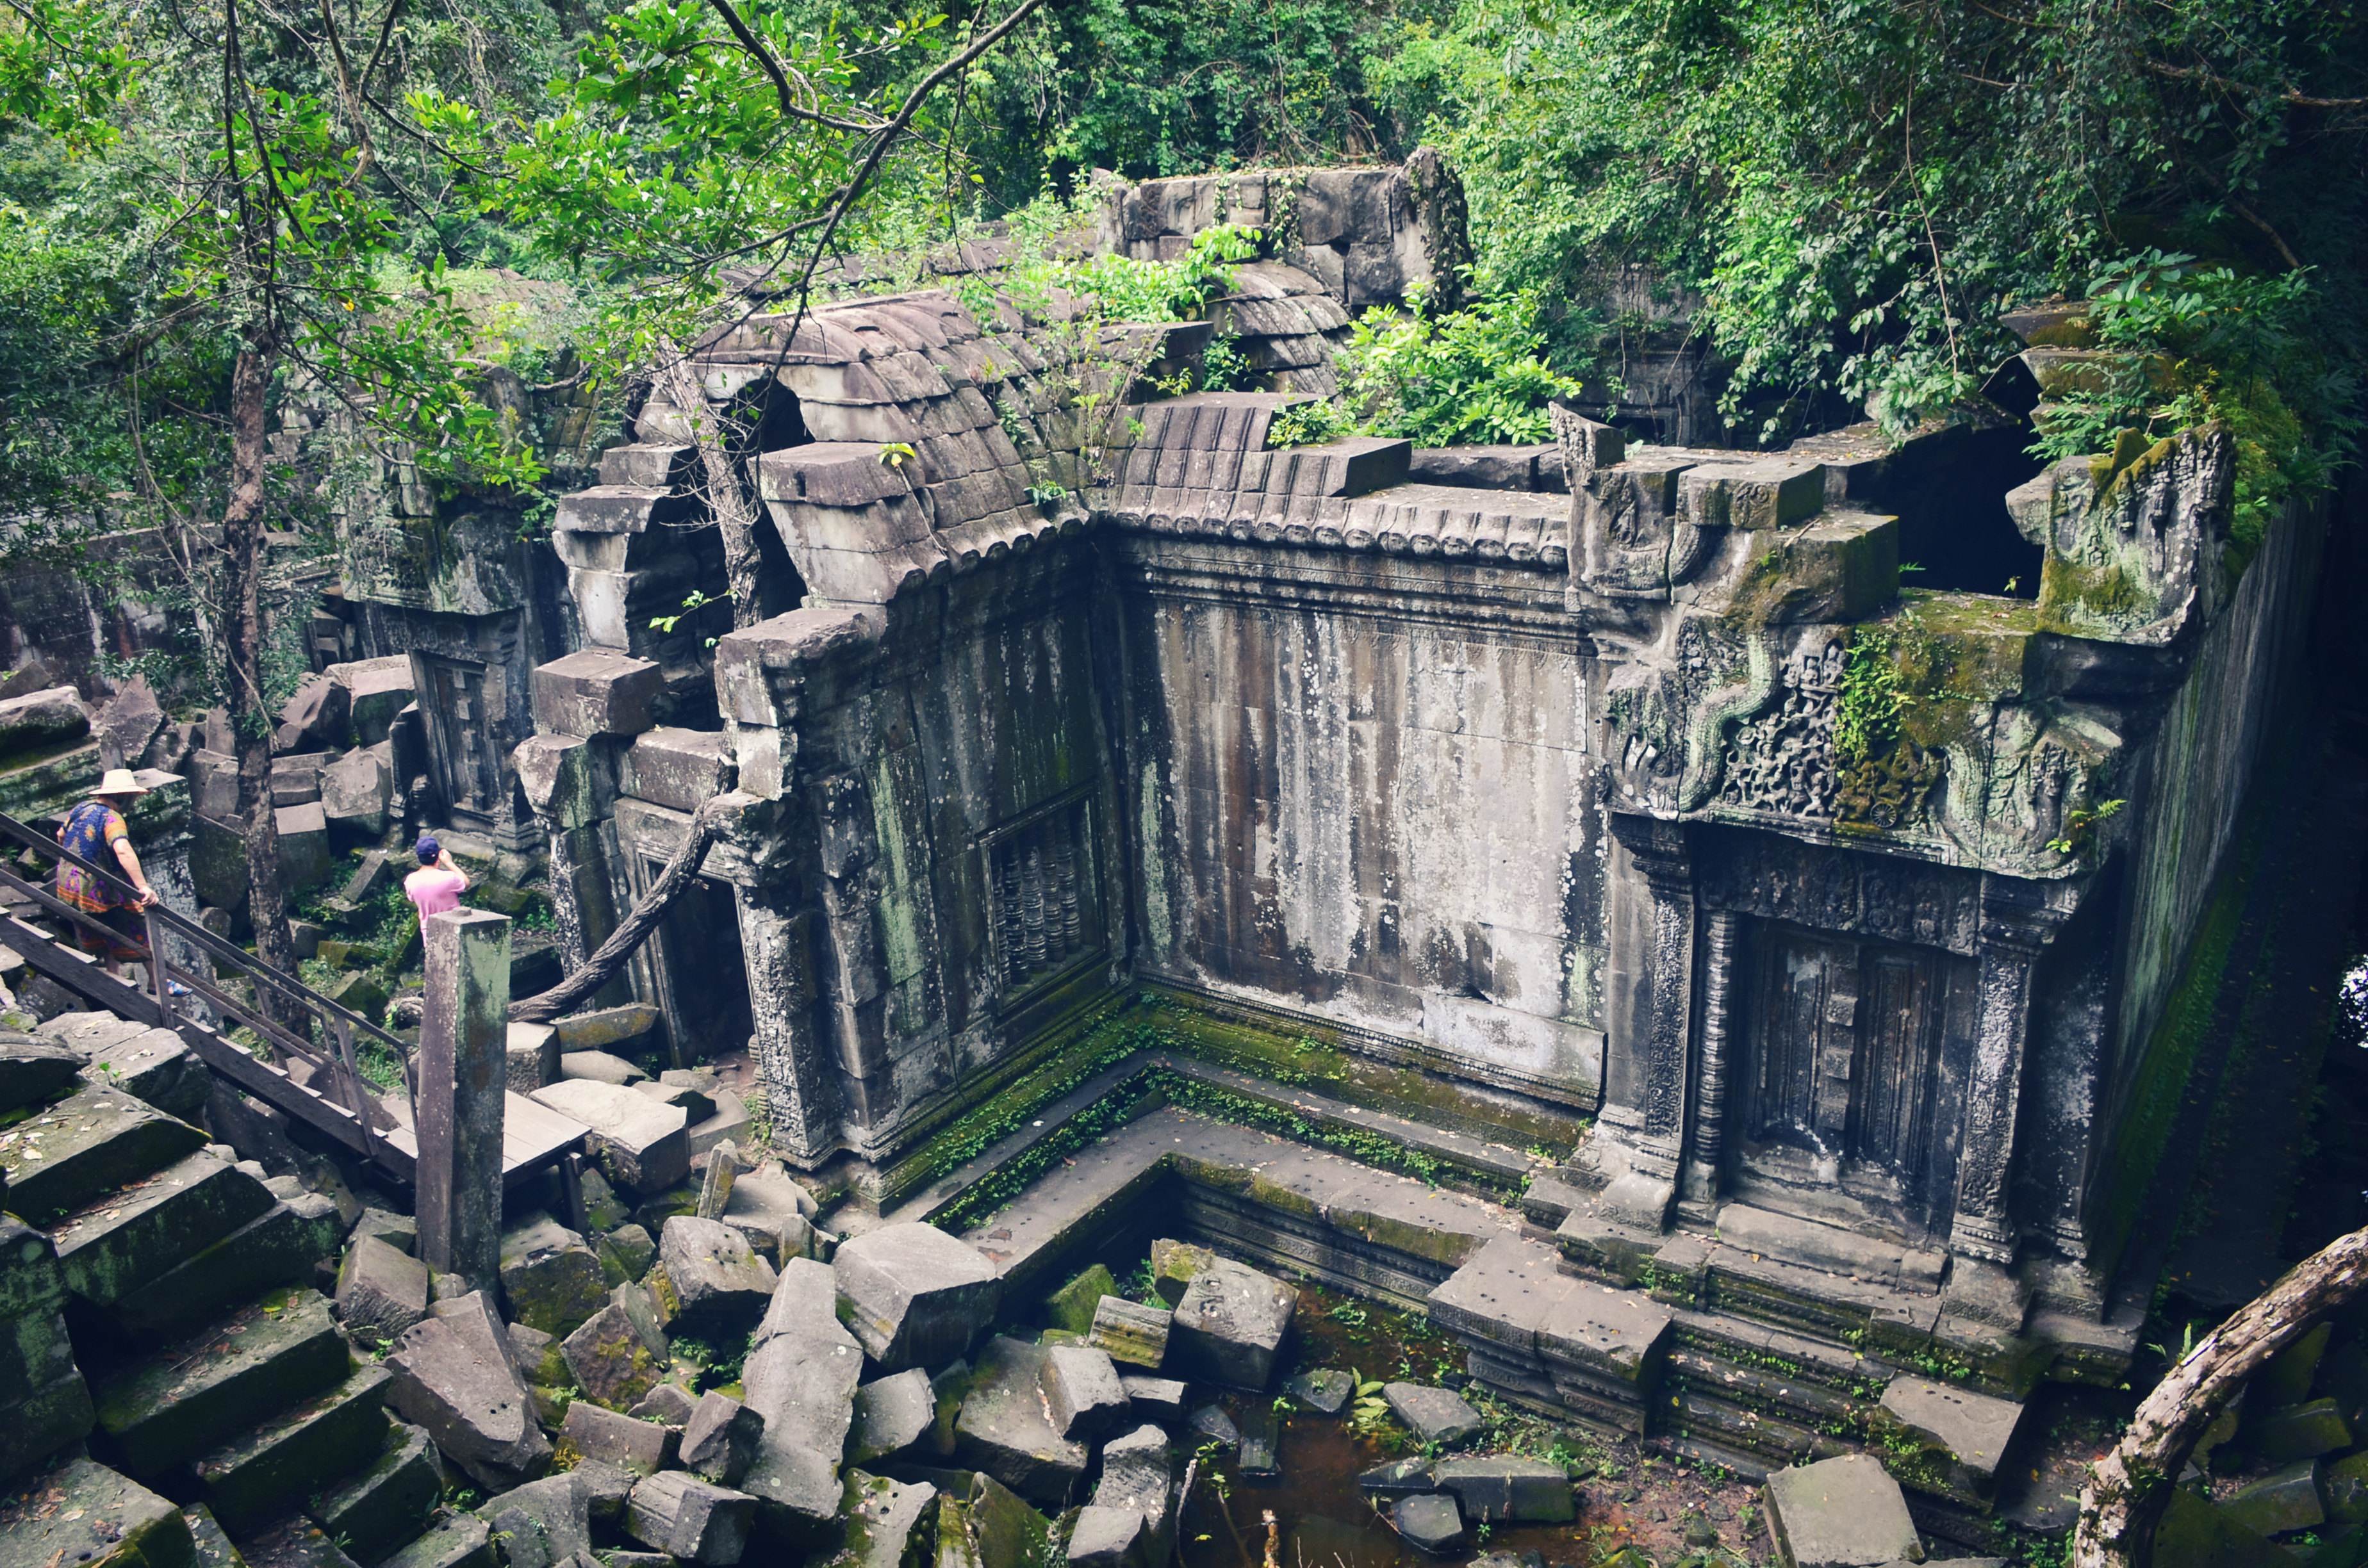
1230	1325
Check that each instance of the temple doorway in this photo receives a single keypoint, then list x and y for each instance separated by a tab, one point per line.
701	972
1849	1096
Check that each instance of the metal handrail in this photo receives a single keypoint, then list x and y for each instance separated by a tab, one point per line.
339	1021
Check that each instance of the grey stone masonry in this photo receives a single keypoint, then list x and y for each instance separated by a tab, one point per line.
1230	1325
914	1295
1839	1512
463	1077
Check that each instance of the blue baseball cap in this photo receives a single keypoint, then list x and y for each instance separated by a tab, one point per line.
429	849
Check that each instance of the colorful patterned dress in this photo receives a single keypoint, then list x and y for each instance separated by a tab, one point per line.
92	831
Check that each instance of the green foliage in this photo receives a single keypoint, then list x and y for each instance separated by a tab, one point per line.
1225	368
2200	344
1866	717
1153	87
1472	375
1846	195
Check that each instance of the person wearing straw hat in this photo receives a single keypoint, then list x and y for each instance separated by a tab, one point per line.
96	832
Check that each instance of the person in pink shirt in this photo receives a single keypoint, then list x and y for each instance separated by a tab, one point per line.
437	885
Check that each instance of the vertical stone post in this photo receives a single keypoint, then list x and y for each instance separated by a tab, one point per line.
1721	949
792	1059
464	1074
2017	924
1652	1022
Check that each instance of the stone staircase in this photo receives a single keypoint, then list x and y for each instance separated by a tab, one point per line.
172	1381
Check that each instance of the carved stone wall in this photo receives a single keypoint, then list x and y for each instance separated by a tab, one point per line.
1361	789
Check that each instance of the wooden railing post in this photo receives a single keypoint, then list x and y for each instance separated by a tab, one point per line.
464	1074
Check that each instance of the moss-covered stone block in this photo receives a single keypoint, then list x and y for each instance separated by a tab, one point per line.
1072	1306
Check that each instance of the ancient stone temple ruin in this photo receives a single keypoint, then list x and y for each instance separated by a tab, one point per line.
1692	923
1715	809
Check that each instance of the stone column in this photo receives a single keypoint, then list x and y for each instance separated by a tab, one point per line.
1652	1023
791	1059
1983	1228
2017	924
1721	949
463	1074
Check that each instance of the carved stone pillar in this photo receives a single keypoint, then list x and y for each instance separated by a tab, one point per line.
1983	1229
2016	927
1652	1017
792	1059
1721	949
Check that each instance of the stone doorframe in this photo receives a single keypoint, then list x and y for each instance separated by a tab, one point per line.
1676	995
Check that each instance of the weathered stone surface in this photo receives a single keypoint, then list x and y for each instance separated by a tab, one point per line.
641	1144
1972	1428
701	1523
86	1515
616	1358
1130	1333
453	1376
983	1524
551	1279
114	1246
720	1439
1138	1472
33	1071
621	1030
2286	1499
280	1461
890	1524
773	1212
380	1291
156	1065
1106	1537
1212	1424
39	720
2300	1431
1004	1429
2344	1487
599	1067
1399	1478
1325	1391
1082	1393
626	1253
720	1286
552	1515
669	1404
531	1057
1261	1453
596	692
642	1447
400	1231
801	1379
1428	1521
914	1295
182	1399
892	1414
317	718
1173	1264
1839	1512
1507	1489
1160	1398
461	1540
354	792
304	853
1230	1325
385	1505
376	691
1072	1306
1438	1417
91	1143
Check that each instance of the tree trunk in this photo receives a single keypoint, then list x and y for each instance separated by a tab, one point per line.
2129	1488
729	498
242	636
580	987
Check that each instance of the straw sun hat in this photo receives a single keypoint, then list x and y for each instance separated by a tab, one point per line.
118	781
